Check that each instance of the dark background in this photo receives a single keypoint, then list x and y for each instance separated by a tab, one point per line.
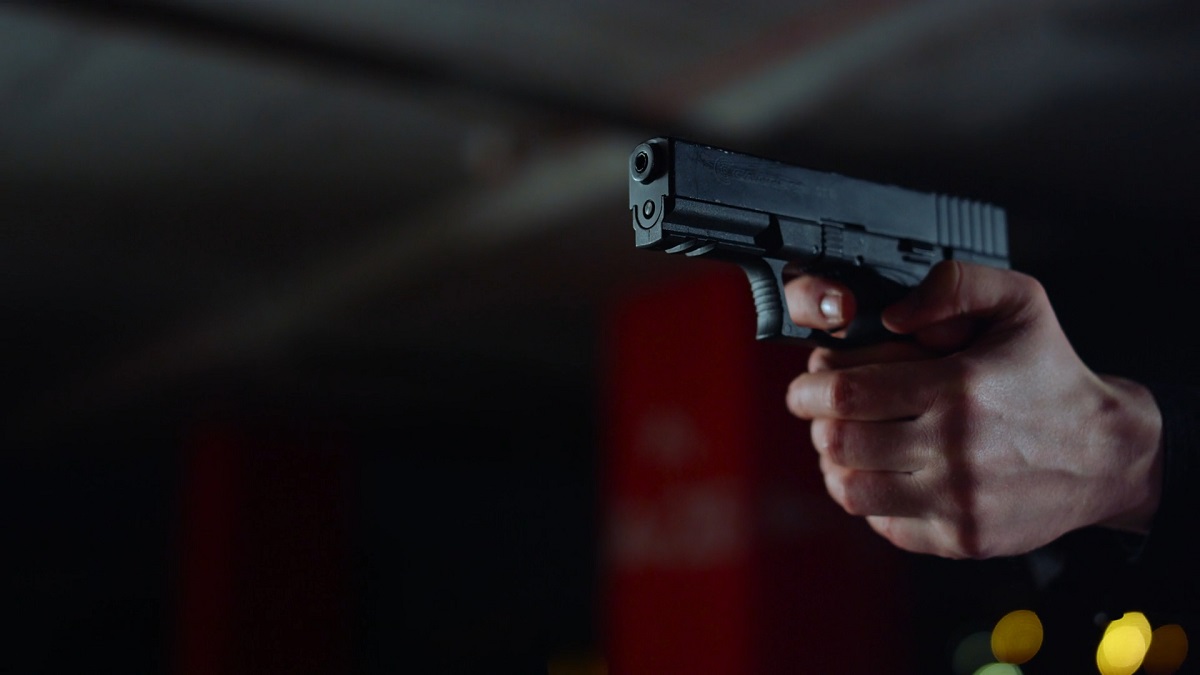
381	239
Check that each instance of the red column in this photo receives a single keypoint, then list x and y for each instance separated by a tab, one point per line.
263	551
723	553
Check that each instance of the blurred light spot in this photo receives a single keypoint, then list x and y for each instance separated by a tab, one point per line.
972	653
999	669
1168	648
1135	620
1121	650
1017	637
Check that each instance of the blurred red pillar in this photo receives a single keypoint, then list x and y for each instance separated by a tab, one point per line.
723	552
263	551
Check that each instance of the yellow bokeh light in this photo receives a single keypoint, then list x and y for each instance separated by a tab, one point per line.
1132	619
1168	648
1121	651
1124	645
999	669
1017	637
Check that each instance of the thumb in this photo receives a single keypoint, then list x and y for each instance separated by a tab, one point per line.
956	290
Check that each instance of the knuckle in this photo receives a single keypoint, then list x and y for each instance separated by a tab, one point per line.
828	436
962	382
856	494
1032	287
841	394
962	371
1033	292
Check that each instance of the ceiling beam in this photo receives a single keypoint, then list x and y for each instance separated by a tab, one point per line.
291	45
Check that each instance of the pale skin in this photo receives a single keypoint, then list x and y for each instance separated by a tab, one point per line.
984	436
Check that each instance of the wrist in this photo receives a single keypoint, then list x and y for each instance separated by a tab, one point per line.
1133	425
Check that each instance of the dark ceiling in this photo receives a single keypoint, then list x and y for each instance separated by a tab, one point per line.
429	198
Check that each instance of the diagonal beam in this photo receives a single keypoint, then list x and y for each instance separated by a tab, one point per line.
296	46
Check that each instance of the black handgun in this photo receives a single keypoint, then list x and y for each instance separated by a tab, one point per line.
765	215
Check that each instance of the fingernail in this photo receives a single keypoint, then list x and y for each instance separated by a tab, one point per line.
831	307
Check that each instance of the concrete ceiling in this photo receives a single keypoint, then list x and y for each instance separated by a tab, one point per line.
304	191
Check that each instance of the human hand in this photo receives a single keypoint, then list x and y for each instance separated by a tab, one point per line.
985	435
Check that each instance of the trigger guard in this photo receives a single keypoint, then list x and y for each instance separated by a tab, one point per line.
775	322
